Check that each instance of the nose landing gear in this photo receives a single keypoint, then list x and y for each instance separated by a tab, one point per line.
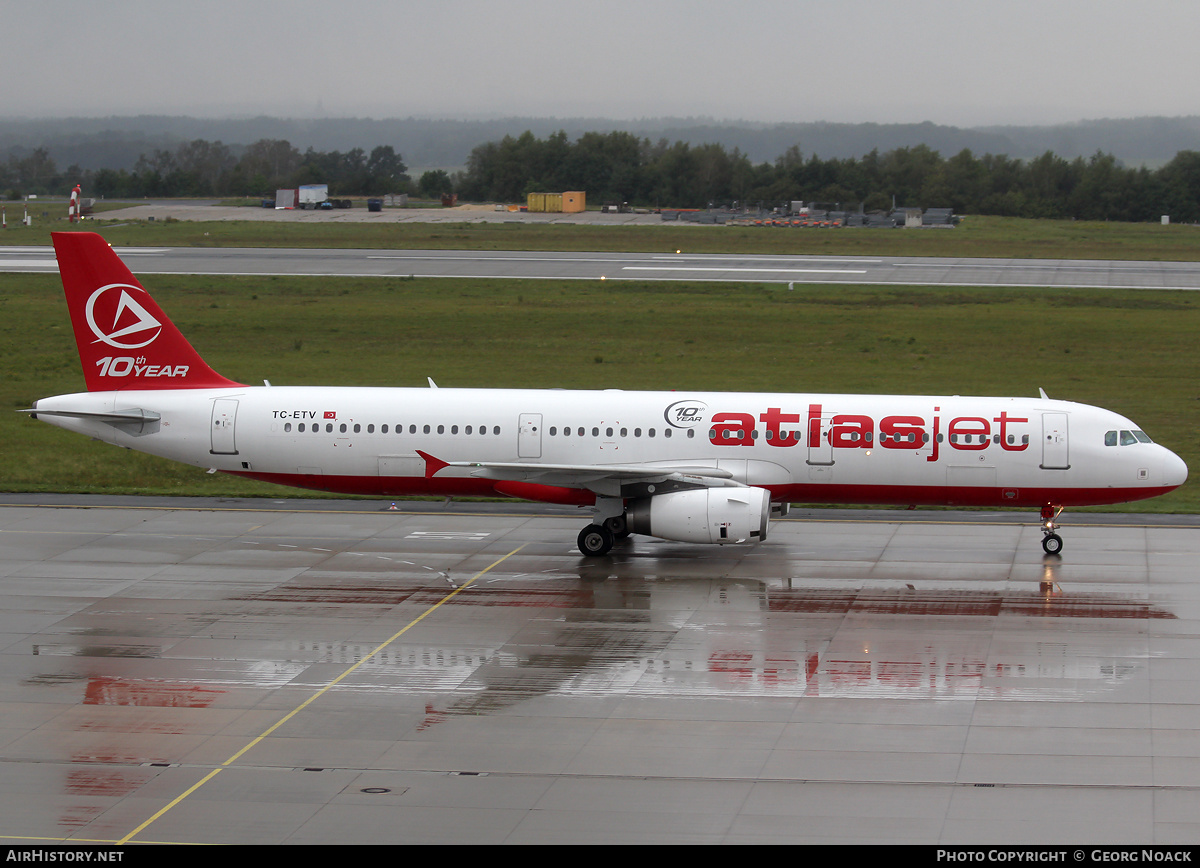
1051	542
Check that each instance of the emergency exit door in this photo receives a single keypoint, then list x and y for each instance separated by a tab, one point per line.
529	436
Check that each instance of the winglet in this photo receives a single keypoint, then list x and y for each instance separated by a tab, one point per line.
125	340
432	465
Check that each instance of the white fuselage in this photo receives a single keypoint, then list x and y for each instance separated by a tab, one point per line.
883	449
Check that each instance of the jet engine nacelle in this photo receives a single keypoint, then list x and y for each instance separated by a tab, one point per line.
703	515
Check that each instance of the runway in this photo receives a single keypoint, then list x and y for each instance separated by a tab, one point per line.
851	270
326	672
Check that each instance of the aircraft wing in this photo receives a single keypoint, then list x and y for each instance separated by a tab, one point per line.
610	479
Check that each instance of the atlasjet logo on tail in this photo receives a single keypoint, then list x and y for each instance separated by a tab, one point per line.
130	321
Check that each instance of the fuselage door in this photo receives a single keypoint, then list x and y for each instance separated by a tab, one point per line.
820	451
1055	449
529	435
223	415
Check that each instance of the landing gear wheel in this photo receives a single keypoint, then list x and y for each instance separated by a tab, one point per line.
1052	544
595	540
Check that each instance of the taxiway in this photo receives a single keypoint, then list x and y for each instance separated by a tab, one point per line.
320	672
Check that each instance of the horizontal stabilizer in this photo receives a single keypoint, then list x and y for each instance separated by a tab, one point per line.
115	416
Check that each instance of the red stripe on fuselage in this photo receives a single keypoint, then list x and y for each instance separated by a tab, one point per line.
882	495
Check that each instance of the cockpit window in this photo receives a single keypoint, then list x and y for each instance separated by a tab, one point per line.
1127	438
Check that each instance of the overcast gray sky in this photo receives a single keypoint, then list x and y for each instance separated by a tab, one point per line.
964	62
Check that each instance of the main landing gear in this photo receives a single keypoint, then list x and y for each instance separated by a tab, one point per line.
597	539
1051	542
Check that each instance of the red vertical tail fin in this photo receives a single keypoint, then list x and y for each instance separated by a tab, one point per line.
125	340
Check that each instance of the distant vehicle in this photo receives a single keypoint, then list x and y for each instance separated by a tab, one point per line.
311	196
698	467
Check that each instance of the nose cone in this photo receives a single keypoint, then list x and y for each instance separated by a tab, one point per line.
1174	471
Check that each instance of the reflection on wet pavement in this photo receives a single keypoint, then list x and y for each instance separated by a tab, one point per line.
117	673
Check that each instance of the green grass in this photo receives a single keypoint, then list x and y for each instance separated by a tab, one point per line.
1132	352
975	237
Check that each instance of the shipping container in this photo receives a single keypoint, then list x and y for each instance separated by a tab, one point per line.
557	203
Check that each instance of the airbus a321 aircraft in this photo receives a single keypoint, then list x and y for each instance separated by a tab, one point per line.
697	467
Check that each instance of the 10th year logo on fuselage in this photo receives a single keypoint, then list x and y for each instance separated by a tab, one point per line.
685	414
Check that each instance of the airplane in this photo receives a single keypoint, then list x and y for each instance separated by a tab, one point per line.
697	467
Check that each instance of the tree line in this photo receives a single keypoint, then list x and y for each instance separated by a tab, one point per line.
621	167
200	168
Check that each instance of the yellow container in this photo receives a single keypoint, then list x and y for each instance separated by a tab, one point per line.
570	203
